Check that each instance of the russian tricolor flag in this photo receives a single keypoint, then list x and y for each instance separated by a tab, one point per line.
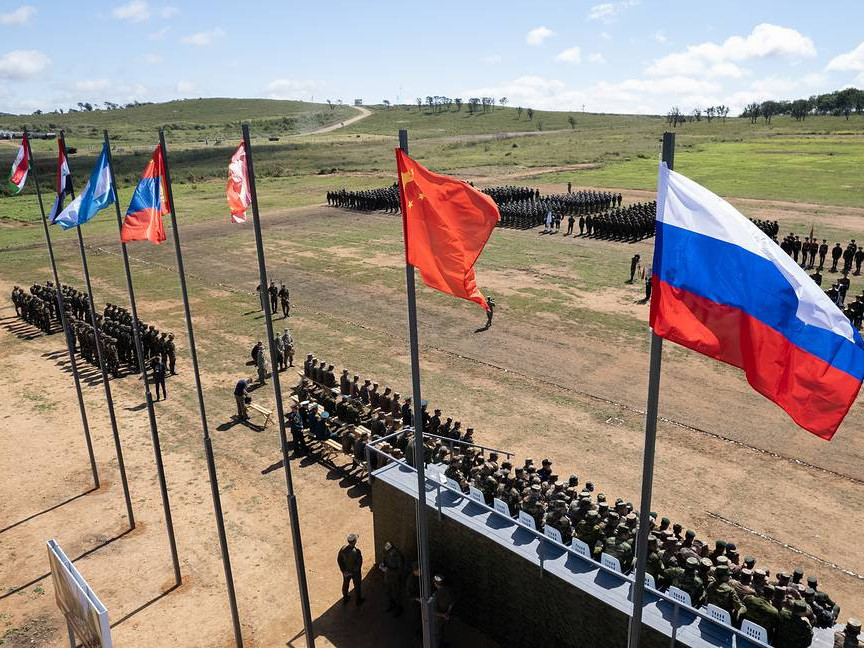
721	287
143	221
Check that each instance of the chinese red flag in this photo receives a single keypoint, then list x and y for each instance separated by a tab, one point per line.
446	223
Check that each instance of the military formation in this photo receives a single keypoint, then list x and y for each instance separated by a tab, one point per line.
788	606
632	223
113	328
535	210
37	307
385	199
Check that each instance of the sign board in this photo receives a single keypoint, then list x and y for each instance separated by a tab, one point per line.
83	610
476	494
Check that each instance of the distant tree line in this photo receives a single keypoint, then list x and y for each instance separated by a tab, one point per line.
840	102
675	116
436	104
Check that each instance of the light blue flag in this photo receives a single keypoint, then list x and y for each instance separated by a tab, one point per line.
97	195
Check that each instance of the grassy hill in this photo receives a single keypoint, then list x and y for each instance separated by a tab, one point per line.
817	160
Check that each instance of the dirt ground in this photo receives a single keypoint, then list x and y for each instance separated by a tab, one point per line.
729	464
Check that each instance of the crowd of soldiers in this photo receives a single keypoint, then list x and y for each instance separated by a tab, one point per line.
787	605
536	210
113	327
37	307
384	199
633	223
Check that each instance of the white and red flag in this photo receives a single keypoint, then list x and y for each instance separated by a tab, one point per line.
20	167
239	195
64	182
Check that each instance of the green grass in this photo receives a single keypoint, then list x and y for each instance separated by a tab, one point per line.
818	160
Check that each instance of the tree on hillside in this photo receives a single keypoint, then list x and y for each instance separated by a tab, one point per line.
419	104
846	100
530	114
473	103
751	111
674	117
723	111
519	112
503	101
697	114
768	109
709	113
572	120
800	109
458	102
386	103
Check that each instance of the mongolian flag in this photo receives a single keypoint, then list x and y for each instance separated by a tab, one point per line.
64	182
446	223
20	167
143	221
239	195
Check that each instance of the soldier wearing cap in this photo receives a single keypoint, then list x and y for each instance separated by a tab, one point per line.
722	594
719	550
364	391
826	610
760	611
664	524
793	628
691	583
850	635
392	564
444	603
350	560
672	575
653	562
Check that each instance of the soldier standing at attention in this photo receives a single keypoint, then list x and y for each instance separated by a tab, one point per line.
171	352
823	252
159	376
284	300
392	565
350	560
444	603
273	291
571	220
634	263
836	253
490	312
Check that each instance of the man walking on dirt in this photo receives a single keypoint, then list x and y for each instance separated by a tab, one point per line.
489	313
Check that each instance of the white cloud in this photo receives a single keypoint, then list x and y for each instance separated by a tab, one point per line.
570	55
608	11
660	37
159	34
601	11
21	16
135	11
710	58
168	12
537	35
202	39
605	36
184	87
92	85
293	88
23	64
850	61
492	59
596	57
152	59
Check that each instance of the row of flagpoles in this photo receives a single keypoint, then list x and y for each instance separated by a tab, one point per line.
151	200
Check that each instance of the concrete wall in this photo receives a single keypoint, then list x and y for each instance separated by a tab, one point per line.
498	592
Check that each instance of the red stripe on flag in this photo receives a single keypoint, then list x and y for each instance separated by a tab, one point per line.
815	394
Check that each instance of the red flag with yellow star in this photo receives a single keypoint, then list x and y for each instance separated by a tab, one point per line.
446	223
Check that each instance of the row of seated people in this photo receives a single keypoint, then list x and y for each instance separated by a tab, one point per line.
710	573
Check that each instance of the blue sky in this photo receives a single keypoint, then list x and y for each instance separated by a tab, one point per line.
640	56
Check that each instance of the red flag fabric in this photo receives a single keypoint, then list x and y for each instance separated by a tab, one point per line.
446	223
149	203
237	190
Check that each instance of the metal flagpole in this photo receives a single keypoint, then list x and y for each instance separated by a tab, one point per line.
277	389
154	432
667	156
62	317
208	445
105	382
422	520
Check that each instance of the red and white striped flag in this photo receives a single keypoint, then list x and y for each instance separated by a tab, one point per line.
20	167
63	182
239	196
